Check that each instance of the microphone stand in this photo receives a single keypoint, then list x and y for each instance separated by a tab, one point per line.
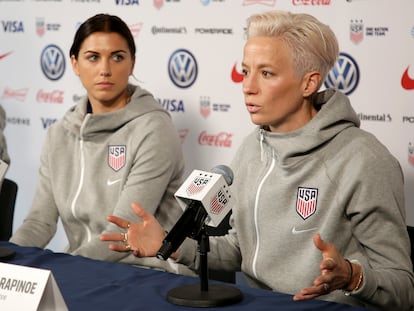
203	295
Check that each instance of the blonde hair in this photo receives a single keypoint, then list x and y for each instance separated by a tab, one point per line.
313	44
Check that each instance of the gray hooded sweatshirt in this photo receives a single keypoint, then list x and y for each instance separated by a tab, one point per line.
328	177
96	165
4	155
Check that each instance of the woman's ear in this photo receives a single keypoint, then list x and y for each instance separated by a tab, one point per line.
132	67
74	65
311	83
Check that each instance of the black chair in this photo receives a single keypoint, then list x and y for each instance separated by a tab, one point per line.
410	230
8	196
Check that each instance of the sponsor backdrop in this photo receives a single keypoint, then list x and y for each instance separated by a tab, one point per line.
189	56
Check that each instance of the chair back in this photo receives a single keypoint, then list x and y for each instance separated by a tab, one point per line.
8	194
410	230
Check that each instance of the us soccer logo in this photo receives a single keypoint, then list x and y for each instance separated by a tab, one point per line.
198	184
218	202
411	154
306	201
356	31
40	26
205	106
116	157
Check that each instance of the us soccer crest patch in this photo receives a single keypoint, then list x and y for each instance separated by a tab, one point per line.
116	157
306	201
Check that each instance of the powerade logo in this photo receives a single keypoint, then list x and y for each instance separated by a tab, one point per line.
182	68
344	76
126	2
52	62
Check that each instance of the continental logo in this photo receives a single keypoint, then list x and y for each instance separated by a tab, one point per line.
179	30
379	117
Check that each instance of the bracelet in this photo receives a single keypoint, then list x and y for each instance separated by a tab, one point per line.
350	274
359	283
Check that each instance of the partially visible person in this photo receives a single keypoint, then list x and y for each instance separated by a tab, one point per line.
319	209
4	155
115	146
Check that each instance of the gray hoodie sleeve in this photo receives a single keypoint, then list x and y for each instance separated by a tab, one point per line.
4	155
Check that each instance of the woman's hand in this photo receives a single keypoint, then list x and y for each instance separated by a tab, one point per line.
336	272
143	238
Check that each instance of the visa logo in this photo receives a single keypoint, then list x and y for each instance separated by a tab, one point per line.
172	105
46	122
12	26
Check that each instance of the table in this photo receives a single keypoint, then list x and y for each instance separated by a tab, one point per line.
88	284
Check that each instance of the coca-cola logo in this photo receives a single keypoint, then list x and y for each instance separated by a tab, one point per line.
19	94
54	97
222	139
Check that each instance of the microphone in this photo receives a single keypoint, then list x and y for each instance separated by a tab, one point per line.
205	198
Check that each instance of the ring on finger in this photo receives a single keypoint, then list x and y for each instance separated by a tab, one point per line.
124	237
326	287
128	225
127	247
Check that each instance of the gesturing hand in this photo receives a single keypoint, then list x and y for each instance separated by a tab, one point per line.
335	272
143	238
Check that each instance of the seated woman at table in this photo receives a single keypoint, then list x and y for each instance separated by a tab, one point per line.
319	203
115	146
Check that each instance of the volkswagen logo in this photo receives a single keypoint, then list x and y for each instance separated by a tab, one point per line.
52	62
182	68
344	76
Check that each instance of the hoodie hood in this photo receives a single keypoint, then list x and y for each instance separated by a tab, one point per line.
142	102
335	113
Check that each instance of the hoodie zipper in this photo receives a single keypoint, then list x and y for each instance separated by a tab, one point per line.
261	139
256	204
81	179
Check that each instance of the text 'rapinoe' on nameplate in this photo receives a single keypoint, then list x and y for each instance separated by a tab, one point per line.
29	289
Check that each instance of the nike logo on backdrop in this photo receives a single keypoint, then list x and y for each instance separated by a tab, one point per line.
112	182
406	81
4	55
236	76
296	231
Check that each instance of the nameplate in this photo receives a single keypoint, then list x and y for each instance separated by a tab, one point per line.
29	289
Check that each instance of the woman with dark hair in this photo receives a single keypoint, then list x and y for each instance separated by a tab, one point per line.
117	145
